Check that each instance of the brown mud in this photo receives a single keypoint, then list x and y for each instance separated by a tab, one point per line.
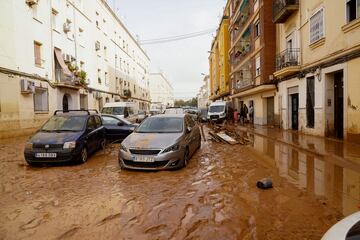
214	197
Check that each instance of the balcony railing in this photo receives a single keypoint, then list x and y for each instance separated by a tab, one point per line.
288	58
282	9
63	78
241	83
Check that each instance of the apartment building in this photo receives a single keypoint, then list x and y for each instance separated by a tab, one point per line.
204	93
318	66
161	90
252	55
65	54
219	59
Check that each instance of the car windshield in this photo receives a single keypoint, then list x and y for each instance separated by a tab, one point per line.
161	125
64	123
113	110
216	108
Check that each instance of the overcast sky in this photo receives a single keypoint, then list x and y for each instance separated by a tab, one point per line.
181	61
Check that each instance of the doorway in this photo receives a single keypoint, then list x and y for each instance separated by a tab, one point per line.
270	110
339	105
65	103
294	98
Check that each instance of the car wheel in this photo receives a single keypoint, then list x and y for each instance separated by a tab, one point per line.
103	144
83	155
186	158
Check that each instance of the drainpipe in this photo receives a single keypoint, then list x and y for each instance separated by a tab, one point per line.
52	45
75	34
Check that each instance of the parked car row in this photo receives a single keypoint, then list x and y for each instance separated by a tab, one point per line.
165	141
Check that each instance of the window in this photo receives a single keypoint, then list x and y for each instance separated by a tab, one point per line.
110	120
98	121
37	53
257	29
99	76
105	52
41	100
310	102
258	66
106	79
91	124
317	26
54	19
352	9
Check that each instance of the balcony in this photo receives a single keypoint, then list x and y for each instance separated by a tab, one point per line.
282	9
287	62
242	79
241	19
62	78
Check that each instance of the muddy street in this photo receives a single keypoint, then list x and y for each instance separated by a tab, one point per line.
214	197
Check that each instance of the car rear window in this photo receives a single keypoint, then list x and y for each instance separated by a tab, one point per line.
161	125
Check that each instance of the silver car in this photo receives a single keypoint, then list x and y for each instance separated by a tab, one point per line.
165	141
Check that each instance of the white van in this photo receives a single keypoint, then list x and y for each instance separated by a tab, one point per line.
218	111
127	110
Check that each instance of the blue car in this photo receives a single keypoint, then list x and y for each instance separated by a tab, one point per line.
66	137
117	128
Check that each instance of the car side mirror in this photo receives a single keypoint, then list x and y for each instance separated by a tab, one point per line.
120	124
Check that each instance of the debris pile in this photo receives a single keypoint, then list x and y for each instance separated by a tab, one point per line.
223	133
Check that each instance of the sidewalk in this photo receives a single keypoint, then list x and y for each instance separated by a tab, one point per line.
320	146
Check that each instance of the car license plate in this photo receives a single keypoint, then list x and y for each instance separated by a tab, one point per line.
144	159
45	155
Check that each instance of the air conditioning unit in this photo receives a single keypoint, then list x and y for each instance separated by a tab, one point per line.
66	27
30	3
27	86
97	45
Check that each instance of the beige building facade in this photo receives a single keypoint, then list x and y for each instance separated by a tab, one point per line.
318	67
161	90
65	54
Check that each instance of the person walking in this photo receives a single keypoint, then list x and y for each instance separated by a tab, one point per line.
246	110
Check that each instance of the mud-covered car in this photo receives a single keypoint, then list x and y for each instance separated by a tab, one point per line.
165	141
66	137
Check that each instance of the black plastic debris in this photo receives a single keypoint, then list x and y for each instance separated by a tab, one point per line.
264	183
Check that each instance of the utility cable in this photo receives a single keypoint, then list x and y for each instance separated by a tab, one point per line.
176	38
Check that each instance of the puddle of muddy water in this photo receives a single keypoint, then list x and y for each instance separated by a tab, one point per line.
329	178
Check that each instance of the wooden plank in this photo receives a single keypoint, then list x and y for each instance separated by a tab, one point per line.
227	138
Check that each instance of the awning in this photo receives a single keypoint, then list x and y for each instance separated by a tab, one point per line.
61	62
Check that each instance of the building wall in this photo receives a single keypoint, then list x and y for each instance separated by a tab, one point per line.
224	46
352	101
340	41
90	21
161	90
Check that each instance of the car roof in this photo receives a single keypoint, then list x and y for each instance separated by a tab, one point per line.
119	104
169	116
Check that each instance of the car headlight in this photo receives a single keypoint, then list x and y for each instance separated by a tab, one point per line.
29	146
172	148
132	129
122	147
69	145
